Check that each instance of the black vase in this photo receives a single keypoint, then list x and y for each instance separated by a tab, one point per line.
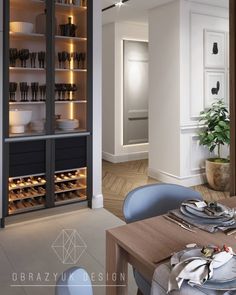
215	49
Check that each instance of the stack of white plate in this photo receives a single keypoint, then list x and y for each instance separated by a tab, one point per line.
67	124
38	126
21	27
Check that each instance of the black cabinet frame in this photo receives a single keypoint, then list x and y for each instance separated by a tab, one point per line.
49	137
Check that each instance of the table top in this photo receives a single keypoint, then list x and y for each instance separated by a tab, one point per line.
156	238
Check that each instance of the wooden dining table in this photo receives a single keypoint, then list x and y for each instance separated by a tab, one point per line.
145	244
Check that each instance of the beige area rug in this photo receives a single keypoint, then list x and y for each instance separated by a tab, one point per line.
121	178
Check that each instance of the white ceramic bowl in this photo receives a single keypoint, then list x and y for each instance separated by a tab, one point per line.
67	124
21	27
18	119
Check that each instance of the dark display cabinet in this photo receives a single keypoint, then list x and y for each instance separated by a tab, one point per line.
47	104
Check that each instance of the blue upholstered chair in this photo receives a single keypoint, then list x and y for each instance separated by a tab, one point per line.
74	281
153	200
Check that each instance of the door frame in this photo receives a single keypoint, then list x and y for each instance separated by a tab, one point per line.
232	18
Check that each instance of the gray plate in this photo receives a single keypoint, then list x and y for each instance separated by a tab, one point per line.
201	220
203	214
220	287
223	274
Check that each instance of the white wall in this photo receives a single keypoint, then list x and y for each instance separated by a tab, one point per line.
175	154
195	19
97	105
119	153
108	88
164	99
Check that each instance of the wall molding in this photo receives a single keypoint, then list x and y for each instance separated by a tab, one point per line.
188	181
191	127
124	157
97	202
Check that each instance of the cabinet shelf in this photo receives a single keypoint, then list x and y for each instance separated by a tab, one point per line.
71	70
26	209
79	130
59	6
27	197
71	179
71	189
27	102
67	38
26	134
26	186
69	201
70	101
43	102
29	36
69	7
26	69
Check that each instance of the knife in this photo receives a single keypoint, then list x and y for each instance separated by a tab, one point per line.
230	231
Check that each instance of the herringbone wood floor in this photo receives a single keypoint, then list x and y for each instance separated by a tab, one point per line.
119	179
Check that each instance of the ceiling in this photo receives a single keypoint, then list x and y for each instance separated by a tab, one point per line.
137	10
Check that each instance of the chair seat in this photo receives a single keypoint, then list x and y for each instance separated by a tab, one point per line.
154	200
74	281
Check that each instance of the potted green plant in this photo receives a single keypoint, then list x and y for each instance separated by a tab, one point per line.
215	134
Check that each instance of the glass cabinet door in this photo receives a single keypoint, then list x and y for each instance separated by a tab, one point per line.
27	177
27	68
70	66
70	179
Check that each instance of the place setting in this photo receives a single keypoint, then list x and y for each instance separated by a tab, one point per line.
207	216
207	269
199	269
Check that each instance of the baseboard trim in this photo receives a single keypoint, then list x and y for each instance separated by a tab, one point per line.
97	201
188	181
125	157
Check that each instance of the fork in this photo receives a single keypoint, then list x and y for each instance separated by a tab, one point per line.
179	223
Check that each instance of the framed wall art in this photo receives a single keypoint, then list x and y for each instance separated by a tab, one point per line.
215	87
214	49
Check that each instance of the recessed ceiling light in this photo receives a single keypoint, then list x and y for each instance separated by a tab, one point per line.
119	4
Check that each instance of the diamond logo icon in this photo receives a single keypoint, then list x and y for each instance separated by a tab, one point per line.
69	246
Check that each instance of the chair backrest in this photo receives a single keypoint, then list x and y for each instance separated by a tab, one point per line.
155	199
74	281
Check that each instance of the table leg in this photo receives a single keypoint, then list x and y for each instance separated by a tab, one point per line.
116	268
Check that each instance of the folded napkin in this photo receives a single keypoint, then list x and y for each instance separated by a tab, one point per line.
195	270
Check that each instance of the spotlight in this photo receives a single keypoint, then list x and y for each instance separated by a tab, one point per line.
119	4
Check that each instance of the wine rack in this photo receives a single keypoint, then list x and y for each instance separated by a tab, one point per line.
70	186
26	194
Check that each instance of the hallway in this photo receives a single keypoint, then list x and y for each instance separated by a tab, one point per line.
119	179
